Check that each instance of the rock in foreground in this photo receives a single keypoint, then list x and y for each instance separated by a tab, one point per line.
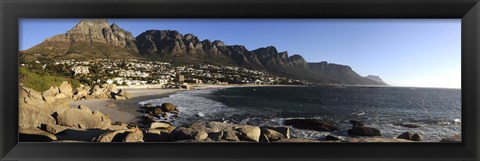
130	135
35	135
361	130
453	139
410	136
32	116
79	118
250	133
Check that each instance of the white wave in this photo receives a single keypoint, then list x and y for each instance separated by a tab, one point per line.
192	103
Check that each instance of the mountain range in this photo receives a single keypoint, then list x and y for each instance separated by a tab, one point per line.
96	38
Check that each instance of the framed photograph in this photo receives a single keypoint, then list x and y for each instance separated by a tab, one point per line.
240	80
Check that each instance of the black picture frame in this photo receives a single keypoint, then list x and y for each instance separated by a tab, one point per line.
466	10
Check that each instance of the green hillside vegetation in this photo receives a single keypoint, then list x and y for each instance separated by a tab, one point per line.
40	82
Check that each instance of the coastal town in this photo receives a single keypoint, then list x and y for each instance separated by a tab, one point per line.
133	72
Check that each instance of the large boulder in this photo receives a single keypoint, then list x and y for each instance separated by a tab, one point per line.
97	91
103	117
58	106
201	135
214	126
168	107
32	116
285	131
88	97
111	88
49	95
410	136
81	92
157	131
158	111
134	136
310	124
155	125
250	133
84	108
452	139
124	93
183	133
102	96
52	128
79	118
272	135
120	136
35	135
230	135
22	94
170	128
60	96
215	136
364	131
66	89
156	135
30	96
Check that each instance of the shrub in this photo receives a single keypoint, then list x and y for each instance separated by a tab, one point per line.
41	82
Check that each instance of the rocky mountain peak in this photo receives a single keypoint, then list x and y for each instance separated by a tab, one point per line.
296	57
114	26
218	43
191	37
266	52
238	48
100	31
94	21
90	38
283	55
271	49
91	23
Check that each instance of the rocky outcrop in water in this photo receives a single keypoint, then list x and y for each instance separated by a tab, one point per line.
410	136
361	130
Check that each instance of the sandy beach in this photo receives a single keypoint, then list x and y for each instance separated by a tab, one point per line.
126	110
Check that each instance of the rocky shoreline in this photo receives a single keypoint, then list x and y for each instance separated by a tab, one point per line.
47	117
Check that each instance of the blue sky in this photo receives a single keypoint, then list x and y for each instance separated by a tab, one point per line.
403	52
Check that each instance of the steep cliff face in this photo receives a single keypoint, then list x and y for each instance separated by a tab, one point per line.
172	46
245	58
341	74
90	38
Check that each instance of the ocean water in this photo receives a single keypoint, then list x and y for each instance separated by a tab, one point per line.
438	111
